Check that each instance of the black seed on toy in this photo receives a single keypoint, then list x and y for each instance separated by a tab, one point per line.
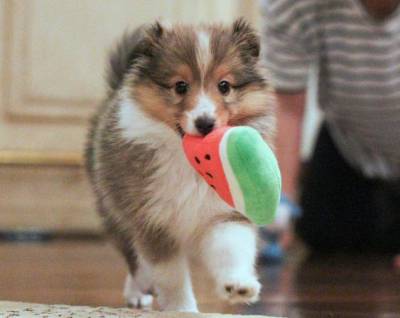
209	174
207	157
228	288
197	159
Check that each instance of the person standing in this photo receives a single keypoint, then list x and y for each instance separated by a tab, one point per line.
350	194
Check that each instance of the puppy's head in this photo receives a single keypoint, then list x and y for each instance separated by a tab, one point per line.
198	79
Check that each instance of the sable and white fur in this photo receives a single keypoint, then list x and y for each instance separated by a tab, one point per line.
157	210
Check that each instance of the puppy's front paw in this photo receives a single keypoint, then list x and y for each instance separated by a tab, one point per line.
239	288
176	303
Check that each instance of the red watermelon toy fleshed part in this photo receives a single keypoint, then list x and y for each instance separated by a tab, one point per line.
203	155
241	167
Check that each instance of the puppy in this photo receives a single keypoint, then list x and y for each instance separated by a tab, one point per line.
165	82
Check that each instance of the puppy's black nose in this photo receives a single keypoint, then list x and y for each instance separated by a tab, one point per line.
204	124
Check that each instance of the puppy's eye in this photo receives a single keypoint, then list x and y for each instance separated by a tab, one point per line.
181	87
224	87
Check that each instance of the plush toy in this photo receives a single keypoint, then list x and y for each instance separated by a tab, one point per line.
238	164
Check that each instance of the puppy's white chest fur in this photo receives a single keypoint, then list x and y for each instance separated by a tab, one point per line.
179	198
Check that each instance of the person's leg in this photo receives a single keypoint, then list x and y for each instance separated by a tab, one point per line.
386	237
336	201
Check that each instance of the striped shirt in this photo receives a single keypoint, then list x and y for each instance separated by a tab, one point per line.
359	73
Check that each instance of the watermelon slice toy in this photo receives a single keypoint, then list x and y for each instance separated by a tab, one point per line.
241	168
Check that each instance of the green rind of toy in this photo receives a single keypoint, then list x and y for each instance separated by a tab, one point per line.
261	187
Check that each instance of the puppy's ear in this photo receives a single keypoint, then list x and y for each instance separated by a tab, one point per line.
246	38
155	31
152	34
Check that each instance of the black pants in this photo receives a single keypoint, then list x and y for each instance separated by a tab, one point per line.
344	210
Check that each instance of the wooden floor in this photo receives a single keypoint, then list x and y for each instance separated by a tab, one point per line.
92	273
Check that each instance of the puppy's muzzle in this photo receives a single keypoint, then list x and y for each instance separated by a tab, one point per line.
204	124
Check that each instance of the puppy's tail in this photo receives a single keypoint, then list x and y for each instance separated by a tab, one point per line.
122	57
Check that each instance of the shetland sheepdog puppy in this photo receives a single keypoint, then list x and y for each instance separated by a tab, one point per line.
164	82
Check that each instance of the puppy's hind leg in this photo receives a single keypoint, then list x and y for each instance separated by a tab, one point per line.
138	285
229	251
138	282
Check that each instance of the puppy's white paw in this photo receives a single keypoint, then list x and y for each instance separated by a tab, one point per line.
143	301
239	288
176	303
180	308
134	296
